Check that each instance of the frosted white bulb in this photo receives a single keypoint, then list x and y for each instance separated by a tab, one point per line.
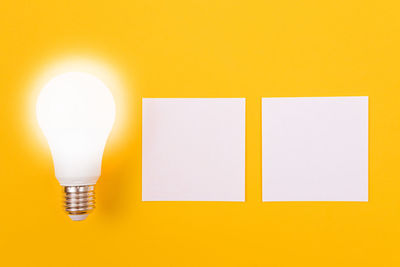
76	112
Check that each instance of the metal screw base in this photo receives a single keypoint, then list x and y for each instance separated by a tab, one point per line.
79	201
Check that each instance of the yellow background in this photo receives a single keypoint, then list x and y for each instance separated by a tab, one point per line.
196	48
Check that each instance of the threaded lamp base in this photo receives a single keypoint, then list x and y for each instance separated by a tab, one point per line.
79	201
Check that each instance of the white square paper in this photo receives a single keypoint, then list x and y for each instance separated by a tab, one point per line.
193	149
315	149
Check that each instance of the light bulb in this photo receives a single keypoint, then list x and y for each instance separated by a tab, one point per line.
76	112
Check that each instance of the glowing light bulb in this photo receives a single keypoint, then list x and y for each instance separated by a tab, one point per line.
76	112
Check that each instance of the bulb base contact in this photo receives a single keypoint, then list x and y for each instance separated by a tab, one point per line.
79	201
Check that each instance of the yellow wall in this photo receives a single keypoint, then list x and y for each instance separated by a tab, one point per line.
197	48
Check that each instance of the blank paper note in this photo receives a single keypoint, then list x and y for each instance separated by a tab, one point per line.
193	149
315	149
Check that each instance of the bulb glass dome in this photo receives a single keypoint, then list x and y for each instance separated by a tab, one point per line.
76	112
